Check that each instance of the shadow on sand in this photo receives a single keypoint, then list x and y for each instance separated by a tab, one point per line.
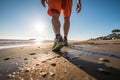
91	68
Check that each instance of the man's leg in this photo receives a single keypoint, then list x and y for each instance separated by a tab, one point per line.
58	44
66	26
55	22
66	29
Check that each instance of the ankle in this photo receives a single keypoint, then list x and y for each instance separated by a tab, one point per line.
65	38
57	35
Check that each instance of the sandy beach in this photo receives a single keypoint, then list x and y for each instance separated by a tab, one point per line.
90	60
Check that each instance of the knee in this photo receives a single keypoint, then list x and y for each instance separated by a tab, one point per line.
55	14
55	18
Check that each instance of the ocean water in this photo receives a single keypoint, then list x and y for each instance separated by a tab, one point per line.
9	43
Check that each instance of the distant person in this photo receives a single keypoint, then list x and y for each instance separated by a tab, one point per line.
54	9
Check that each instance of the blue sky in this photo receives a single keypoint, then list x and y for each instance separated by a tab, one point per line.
24	19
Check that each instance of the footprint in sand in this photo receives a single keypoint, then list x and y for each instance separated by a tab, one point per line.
53	64
25	58
37	64
32	53
6	59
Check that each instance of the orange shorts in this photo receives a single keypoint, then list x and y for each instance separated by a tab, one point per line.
64	6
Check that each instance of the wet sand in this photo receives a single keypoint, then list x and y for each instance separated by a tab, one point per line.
75	62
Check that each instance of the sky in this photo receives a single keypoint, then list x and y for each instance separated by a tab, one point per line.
25	19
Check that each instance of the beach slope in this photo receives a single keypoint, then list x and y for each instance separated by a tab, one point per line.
76	62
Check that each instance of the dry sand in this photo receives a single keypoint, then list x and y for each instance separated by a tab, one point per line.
75	62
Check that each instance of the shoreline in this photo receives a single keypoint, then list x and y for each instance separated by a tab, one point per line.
71	42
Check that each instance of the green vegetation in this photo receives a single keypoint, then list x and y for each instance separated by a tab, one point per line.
114	35
116	31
